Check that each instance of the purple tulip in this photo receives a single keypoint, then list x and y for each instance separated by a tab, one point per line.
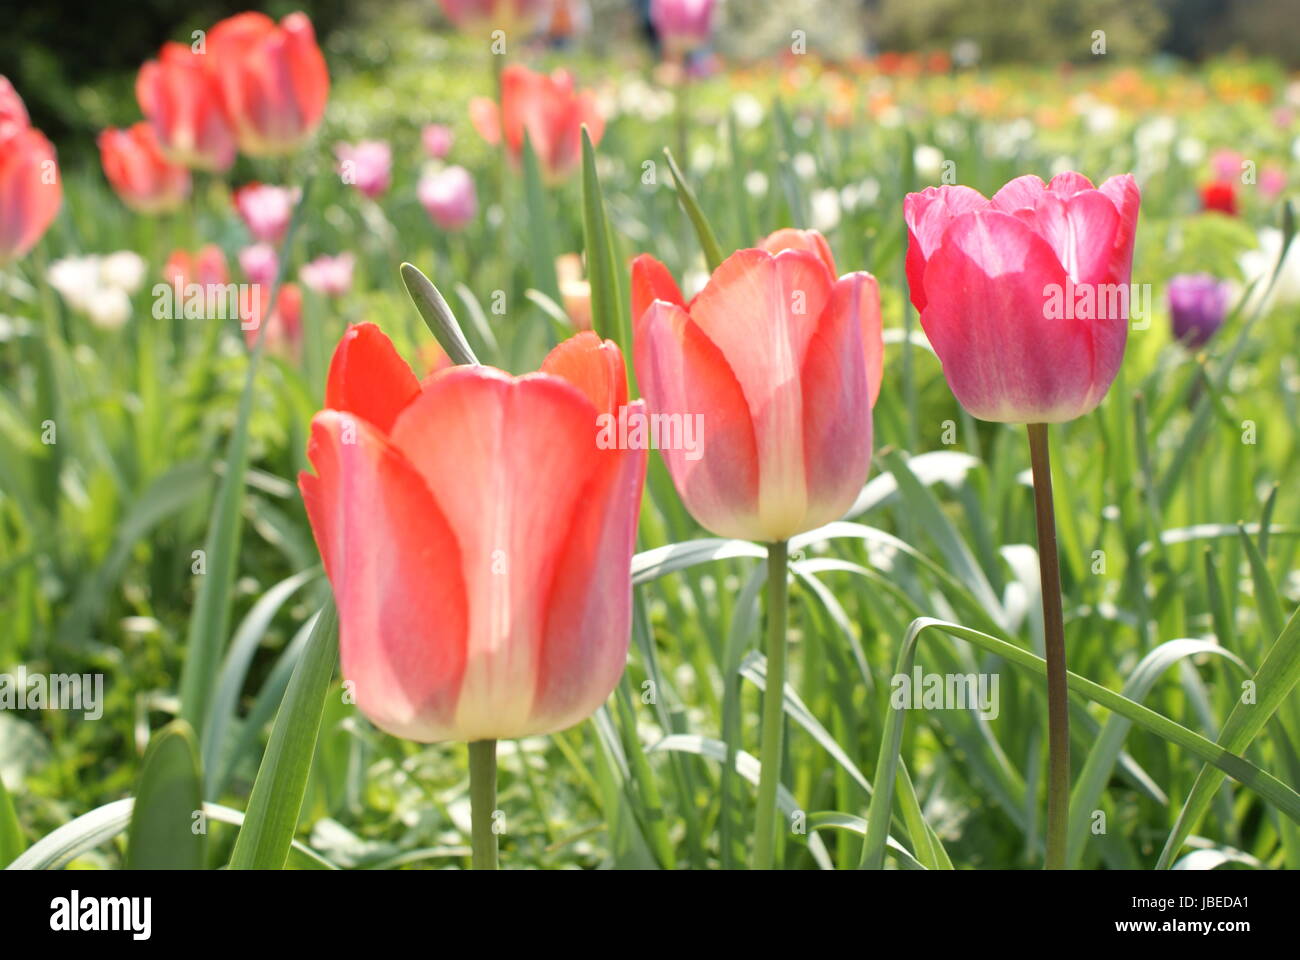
1197	304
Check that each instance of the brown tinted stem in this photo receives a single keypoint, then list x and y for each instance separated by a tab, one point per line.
1058	708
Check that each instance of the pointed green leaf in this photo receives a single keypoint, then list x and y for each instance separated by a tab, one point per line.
166	831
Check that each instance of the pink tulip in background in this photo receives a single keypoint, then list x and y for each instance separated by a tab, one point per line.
682	25
984	274
482	15
260	263
328	276
783	362
448	196
31	188
549	108
143	177
178	96
455	622
437	140
367	165
283	332
272	80
266	210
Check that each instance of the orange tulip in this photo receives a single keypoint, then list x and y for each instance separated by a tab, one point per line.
135	166
478	539
783	363
272	79
178	95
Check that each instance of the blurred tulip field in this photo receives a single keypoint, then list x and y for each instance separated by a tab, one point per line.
287	581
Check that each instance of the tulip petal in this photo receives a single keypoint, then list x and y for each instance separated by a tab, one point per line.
928	214
789	238
837	399
761	311
1069	183
392	560
1012	363
683	373
594	366
651	281
1080	229
1019	193
1124	193
507	461
589	613
368	378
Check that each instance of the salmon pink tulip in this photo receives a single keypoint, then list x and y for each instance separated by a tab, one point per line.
31	189
143	177
178	96
783	362
549	108
478	538
272	80
1025	296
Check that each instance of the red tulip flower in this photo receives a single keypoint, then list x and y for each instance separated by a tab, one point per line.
783	363
1220	196
1025	296
549	108
30	187
272	79
179	97
13	112
143	177
478	539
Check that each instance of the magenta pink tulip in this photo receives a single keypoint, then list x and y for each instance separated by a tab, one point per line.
1025	296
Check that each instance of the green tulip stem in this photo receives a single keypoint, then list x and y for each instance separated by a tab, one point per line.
1058	708
773	707
483	802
